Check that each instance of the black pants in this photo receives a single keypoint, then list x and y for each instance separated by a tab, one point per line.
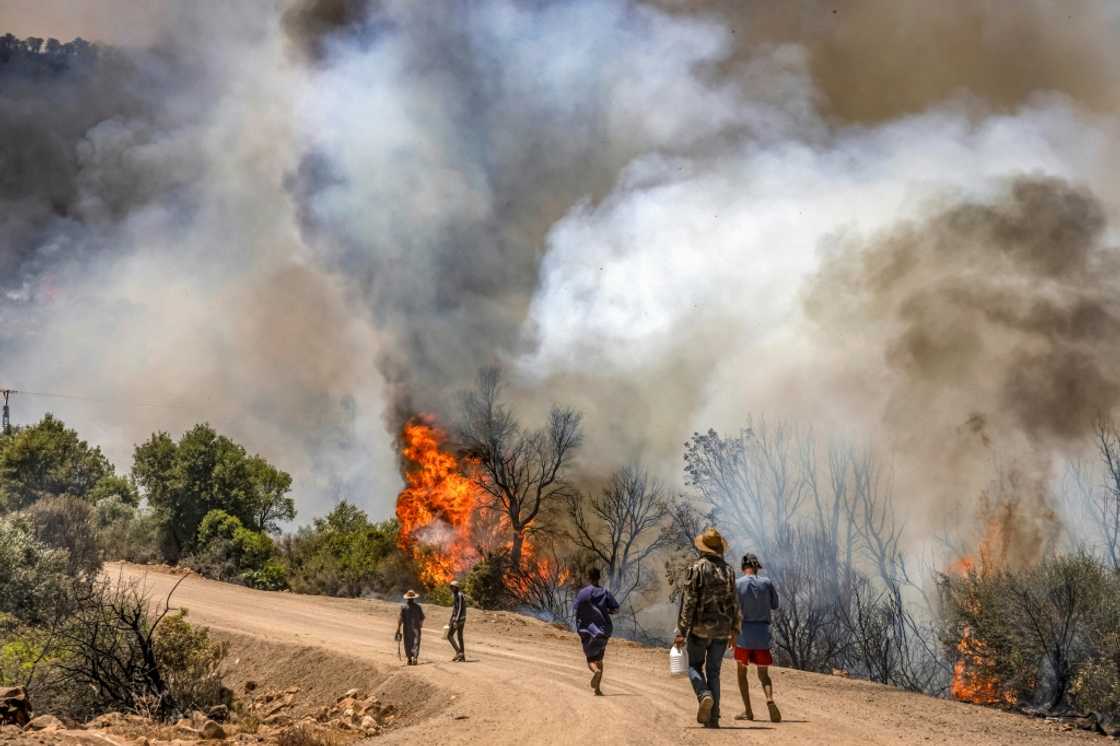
455	632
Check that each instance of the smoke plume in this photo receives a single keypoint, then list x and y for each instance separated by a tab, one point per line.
303	221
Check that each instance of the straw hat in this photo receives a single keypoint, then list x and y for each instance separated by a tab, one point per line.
711	542
411	595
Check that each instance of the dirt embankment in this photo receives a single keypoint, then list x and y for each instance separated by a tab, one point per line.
525	682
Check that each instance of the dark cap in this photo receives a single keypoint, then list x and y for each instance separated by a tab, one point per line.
751	560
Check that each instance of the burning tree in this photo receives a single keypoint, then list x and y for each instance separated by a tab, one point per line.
519	471
437	507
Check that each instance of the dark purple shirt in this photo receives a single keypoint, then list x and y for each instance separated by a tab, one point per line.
593	608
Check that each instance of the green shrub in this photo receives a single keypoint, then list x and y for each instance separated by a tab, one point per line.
33	576
67	523
485	584
440	595
125	532
191	664
226	550
272	576
344	554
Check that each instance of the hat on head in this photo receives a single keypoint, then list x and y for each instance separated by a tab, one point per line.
751	560
454	584
411	594
711	542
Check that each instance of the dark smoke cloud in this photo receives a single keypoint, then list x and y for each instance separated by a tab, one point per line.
300	219
313	25
874	61
513	114
997	326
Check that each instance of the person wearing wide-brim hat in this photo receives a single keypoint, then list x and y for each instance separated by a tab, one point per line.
458	621
411	622
708	622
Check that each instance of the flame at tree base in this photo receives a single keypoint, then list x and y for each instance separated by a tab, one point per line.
971	682
443	526
974	679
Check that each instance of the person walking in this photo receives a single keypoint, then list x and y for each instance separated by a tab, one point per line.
458	621
757	599
708	622
411	624
593	608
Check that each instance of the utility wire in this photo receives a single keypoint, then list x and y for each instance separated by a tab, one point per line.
100	400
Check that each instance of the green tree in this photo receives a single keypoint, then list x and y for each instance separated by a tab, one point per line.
344	554
206	471
49	459
270	503
227	550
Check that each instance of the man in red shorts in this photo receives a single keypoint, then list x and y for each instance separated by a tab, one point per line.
757	598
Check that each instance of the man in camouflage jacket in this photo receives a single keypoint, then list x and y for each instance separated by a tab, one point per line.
708	621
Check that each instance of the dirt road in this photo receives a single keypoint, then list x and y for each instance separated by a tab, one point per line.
526	682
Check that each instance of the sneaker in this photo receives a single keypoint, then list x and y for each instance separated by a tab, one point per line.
704	711
595	679
748	715
775	713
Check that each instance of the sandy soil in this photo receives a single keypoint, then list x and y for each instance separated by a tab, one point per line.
525	682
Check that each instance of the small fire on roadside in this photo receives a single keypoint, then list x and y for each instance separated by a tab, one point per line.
972	678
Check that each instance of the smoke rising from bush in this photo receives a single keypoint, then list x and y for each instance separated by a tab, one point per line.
303	221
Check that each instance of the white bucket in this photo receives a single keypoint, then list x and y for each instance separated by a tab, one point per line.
678	661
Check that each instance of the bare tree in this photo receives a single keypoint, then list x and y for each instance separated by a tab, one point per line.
1105	504
108	643
622	527
872	516
752	480
548	589
522	471
808	633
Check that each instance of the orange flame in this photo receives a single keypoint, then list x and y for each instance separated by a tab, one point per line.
441	522
437	506
972	680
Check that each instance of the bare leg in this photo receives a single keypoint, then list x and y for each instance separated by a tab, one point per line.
768	690
745	692
596	675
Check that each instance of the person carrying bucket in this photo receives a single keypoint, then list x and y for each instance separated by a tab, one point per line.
593	608
708	622
757	598
410	622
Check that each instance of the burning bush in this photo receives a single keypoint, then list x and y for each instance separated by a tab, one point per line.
1026	635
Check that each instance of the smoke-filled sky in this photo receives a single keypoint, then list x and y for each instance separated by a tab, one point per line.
297	220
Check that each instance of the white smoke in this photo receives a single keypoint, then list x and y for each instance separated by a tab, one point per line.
622	204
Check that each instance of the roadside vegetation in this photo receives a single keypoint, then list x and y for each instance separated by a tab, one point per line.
1040	636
